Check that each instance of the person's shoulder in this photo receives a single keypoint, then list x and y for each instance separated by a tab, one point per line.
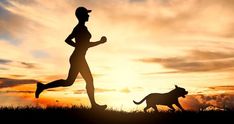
77	28
80	27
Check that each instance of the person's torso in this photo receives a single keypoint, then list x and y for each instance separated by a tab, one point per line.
82	39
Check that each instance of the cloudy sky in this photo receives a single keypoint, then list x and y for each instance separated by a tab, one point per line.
152	45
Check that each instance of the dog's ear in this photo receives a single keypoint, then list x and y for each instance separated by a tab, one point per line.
176	86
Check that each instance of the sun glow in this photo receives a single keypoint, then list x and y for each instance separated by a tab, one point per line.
122	74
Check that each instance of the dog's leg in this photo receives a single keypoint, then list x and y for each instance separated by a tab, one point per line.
171	108
145	109
155	108
178	105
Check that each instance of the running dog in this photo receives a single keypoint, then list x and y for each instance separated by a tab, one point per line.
167	99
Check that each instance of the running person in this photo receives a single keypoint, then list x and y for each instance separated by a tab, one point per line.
78	63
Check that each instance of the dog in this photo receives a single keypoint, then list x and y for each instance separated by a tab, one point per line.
167	99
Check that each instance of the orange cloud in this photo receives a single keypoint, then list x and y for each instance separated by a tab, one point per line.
202	102
220	98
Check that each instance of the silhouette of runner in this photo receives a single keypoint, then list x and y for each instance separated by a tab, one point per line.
78	63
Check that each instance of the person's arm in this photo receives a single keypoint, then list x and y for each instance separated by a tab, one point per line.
102	40
70	37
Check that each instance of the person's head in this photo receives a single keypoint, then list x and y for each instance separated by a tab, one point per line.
82	14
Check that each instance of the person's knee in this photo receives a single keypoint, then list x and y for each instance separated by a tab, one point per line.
89	80
68	83
89	86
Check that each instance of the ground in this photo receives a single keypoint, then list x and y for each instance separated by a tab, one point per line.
80	115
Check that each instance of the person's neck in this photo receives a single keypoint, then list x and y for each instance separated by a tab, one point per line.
81	23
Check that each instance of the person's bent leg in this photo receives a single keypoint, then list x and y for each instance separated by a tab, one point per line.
58	83
86	74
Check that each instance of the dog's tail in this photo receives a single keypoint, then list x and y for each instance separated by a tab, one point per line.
140	101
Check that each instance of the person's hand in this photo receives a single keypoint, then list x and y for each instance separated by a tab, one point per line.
103	39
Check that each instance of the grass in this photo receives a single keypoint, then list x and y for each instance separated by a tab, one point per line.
86	115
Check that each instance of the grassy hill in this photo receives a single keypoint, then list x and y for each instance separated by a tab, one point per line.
87	116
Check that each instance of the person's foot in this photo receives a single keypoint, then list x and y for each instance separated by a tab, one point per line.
99	107
39	89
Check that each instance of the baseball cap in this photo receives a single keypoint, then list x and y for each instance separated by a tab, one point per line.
82	10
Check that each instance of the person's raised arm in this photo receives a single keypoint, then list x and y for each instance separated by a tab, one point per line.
70	37
102	40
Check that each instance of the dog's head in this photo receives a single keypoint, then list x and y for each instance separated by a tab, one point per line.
180	91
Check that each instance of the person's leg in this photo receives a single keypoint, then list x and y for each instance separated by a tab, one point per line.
57	83
86	74
68	82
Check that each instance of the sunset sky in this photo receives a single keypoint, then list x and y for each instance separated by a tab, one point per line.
151	46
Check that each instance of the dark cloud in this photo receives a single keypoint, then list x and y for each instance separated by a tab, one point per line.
211	55
19	63
16	75
18	91
229	88
196	61
28	65
7	82
4	61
